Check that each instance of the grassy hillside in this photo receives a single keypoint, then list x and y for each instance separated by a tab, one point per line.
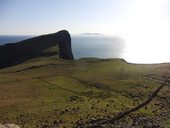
51	92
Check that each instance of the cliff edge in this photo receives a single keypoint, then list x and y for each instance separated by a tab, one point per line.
46	45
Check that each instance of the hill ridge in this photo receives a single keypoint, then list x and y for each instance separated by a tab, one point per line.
58	43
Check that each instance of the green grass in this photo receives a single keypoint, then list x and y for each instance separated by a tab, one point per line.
44	90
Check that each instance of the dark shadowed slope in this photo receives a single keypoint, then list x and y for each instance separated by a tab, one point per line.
46	45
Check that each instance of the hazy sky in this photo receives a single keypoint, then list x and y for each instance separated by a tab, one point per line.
79	16
44	16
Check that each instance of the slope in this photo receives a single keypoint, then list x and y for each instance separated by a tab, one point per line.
52	92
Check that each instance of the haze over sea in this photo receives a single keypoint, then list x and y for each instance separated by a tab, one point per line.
101	46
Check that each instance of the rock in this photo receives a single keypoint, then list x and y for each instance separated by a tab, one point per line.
2	126
9	126
64	41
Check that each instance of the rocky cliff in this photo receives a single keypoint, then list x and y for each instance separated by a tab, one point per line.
64	41
46	45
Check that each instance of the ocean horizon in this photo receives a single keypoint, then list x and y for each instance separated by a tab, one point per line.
102	46
98	46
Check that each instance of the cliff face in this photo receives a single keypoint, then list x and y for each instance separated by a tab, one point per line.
64	41
15	53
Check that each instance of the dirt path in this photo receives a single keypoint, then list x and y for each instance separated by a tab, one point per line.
98	123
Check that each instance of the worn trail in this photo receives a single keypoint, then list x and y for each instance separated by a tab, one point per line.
126	113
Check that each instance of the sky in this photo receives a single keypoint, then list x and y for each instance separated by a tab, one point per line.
44	16
34	17
143	24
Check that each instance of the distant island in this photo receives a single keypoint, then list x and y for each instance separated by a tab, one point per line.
92	34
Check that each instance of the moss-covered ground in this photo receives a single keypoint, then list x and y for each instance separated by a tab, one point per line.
51	92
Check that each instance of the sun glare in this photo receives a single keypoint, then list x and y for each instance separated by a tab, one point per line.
147	32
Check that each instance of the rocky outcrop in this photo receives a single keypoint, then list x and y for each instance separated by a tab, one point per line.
15	53
64	40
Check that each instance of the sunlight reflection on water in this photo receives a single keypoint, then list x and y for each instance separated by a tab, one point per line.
115	47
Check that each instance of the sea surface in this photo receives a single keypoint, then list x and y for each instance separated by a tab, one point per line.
12	39
85	46
101	46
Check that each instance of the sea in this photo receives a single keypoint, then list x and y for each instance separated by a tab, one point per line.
101	46
85	46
